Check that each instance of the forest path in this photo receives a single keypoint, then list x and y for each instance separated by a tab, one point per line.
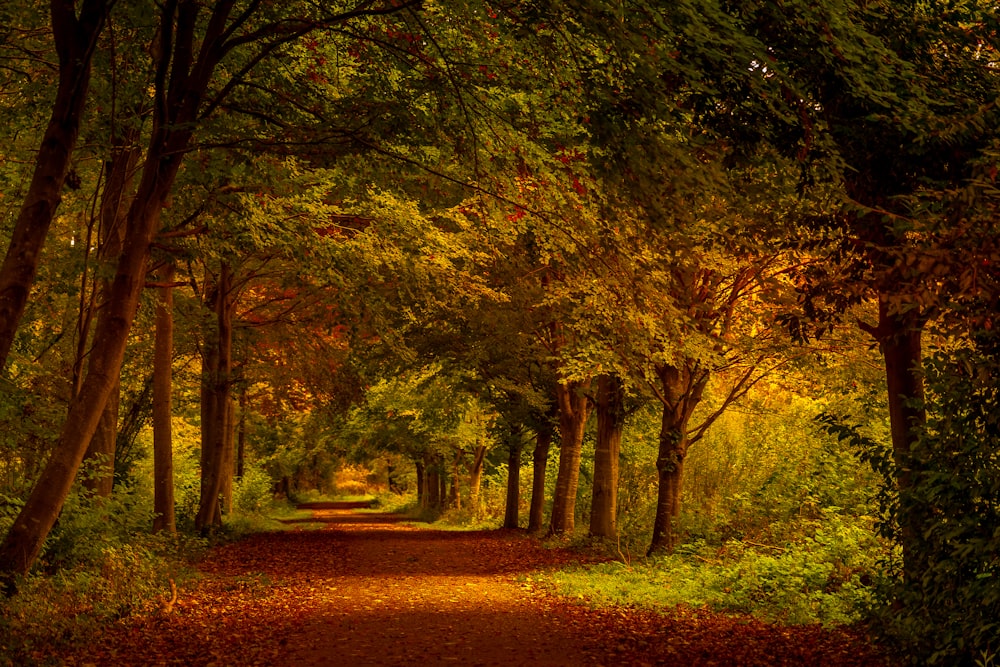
368	589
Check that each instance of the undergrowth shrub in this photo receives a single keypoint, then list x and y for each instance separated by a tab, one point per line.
822	578
252	492
89	525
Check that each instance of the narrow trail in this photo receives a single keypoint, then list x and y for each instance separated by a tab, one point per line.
367	589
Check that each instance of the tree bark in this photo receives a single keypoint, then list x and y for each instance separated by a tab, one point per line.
682	388
574	408
216	387
229	455
539	462
163	448
455	494
899	336
241	436
421	485
610	409
111	235
443	488
511	513
75	40
434	484
476	474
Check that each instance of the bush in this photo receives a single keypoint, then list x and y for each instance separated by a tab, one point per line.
88	526
252	492
822	578
52	612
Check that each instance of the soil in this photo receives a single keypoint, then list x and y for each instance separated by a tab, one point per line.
369	589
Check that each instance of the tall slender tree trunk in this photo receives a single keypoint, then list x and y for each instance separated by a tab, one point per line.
163	447
511	513
229	455
574	408
119	170
610	409
434	483
443	486
241	435
899	336
455	494
682	388
539	463
421	484
75	40
216	388
476	474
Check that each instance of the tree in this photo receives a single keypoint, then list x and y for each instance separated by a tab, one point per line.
610	409
184	62
163	359
75	40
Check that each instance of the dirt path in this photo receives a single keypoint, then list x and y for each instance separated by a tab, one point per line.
369	590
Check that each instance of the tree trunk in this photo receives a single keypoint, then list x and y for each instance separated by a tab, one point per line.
75	40
682	389
574	408
455	495
119	172
163	448
216	388
443	488
899	336
539	462
434	484
421	485
511	510
610	409
229	455
241	436
476	475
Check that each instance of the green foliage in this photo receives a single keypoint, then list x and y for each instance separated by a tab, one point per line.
252	493
89	525
819	578
66	608
949	613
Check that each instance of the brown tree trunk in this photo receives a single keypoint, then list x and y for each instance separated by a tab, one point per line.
682	389
434	483
574	408
899	336
229	456
455	494
421	485
163	448
539	463
610	409
101	450
241	436
476	475
111	236
216	388
75	39
443	486
511	513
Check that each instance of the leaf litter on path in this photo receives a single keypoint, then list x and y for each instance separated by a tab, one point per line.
370	590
